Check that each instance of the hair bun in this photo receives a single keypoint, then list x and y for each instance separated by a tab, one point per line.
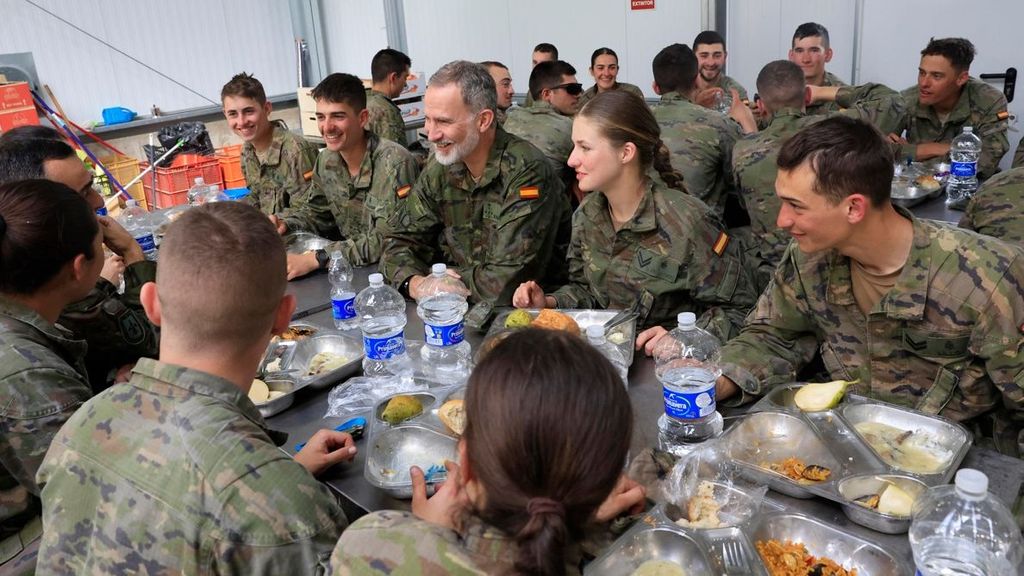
539	505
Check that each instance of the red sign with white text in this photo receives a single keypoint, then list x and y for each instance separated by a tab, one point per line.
641	4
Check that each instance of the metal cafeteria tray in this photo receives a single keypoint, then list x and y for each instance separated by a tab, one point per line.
431	400
292	358
623	335
279	383
300	242
907	192
393	450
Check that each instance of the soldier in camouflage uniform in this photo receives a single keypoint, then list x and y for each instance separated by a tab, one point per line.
42	369
276	163
488	204
995	209
604	67
811	51
1018	156
543	52
923	314
390	71
781	86
503	83
945	100
547	124
355	184
700	140
709	47
176	471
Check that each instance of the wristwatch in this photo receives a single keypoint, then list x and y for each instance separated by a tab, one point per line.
403	288
322	258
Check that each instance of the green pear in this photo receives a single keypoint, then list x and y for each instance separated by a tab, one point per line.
818	397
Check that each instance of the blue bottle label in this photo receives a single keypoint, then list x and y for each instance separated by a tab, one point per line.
384	348
444	335
689	405
344	309
963	169
102	210
147	242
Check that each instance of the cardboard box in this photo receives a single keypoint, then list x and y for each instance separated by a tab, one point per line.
306	102
309	127
411	111
416	85
19	117
15	95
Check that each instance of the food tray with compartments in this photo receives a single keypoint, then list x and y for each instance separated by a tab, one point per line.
623	335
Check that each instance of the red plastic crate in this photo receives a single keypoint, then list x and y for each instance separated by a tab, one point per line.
230	158
172	184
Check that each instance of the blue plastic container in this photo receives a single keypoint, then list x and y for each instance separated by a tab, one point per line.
118	115
236	193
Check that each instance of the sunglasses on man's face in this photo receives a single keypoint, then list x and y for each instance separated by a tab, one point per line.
571	88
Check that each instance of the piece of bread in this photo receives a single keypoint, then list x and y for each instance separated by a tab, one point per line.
453	414
929	183
553	320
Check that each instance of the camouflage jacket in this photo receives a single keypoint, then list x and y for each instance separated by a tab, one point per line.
945	340
385	118
42	382
592	91
827	107
511	226
356	209
175	472
980	106
673	257
700	141
996	208
390	542
282	173
1018	156
114	325
545	128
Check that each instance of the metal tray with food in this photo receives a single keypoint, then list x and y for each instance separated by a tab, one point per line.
623	335
301	242
917	182
393	450
274	394
439	408
325	359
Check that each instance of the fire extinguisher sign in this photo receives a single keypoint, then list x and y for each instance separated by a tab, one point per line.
641	4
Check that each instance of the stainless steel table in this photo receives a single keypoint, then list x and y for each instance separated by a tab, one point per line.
935	209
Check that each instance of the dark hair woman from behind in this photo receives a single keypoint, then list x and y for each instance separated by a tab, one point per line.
548	427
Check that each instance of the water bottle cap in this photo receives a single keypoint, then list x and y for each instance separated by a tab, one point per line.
438	269
214	187
687	320
376	279
336	255
130	203
970	481
968	129
595	331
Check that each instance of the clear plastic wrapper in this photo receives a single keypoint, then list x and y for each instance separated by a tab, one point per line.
359	395
707	492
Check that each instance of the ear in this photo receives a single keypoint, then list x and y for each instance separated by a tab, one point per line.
283	314
962	78
545	94
267	107
761	110
628	152
656	88
464	465
857	206
828	55
151	302
80	267
364	118
485	120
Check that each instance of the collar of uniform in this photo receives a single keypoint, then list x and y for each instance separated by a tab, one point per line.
273	156
539	107
832	80
961	110
483	540
782	114
372	92
29	317
674	97
458	175
644	220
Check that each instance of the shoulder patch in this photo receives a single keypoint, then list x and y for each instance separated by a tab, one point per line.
529	193
308	176
720	244
404	191
1002	115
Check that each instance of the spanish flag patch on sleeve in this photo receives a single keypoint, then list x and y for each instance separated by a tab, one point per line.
529	193
404	191
1003	115
308	176
719	247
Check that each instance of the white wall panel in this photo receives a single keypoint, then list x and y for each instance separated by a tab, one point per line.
354	30
440	31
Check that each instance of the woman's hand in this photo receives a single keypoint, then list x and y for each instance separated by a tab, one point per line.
627	497
445	507
529	295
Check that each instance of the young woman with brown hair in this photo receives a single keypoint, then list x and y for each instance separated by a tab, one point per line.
604	67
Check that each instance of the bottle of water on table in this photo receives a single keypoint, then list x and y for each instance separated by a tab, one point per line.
964	152
381	311
963	530
136	221
442	307
598	339
686	362
343	297
197	192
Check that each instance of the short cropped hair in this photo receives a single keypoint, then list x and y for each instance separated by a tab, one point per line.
221	277
547	48
387	61
781	84
25	159
493	64
246	86
809	29
708	37
675	69
959	51
31	132
548	75
341	88
474	82
848	156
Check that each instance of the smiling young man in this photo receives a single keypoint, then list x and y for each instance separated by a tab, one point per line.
920	313
709	46
277	164
548	123
389	70
355	183
811	50
945	99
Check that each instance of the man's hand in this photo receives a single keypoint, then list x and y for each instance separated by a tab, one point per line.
627	496
649	338
119	241
725	387
280	225
893	137
706	97
530	295
302	264
822	93
113	267
325	449
124	373
741	113
929	150
445	506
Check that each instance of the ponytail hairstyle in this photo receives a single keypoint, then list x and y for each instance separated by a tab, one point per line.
43	226
548	428
624	117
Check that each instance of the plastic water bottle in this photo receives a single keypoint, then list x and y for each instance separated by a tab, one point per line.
137	222
686	362
197	192
381	311
723	102
963	173
598	339
964	530
343	298
214	194
442	307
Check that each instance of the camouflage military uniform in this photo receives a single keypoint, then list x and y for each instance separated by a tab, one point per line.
176	472
665	257
356	208
995	209
589	93
827	107
1018	156
701	142
753	160
114	325
42	382
511	226
545	128
390	542
280	173
385	118
946	339
980	106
